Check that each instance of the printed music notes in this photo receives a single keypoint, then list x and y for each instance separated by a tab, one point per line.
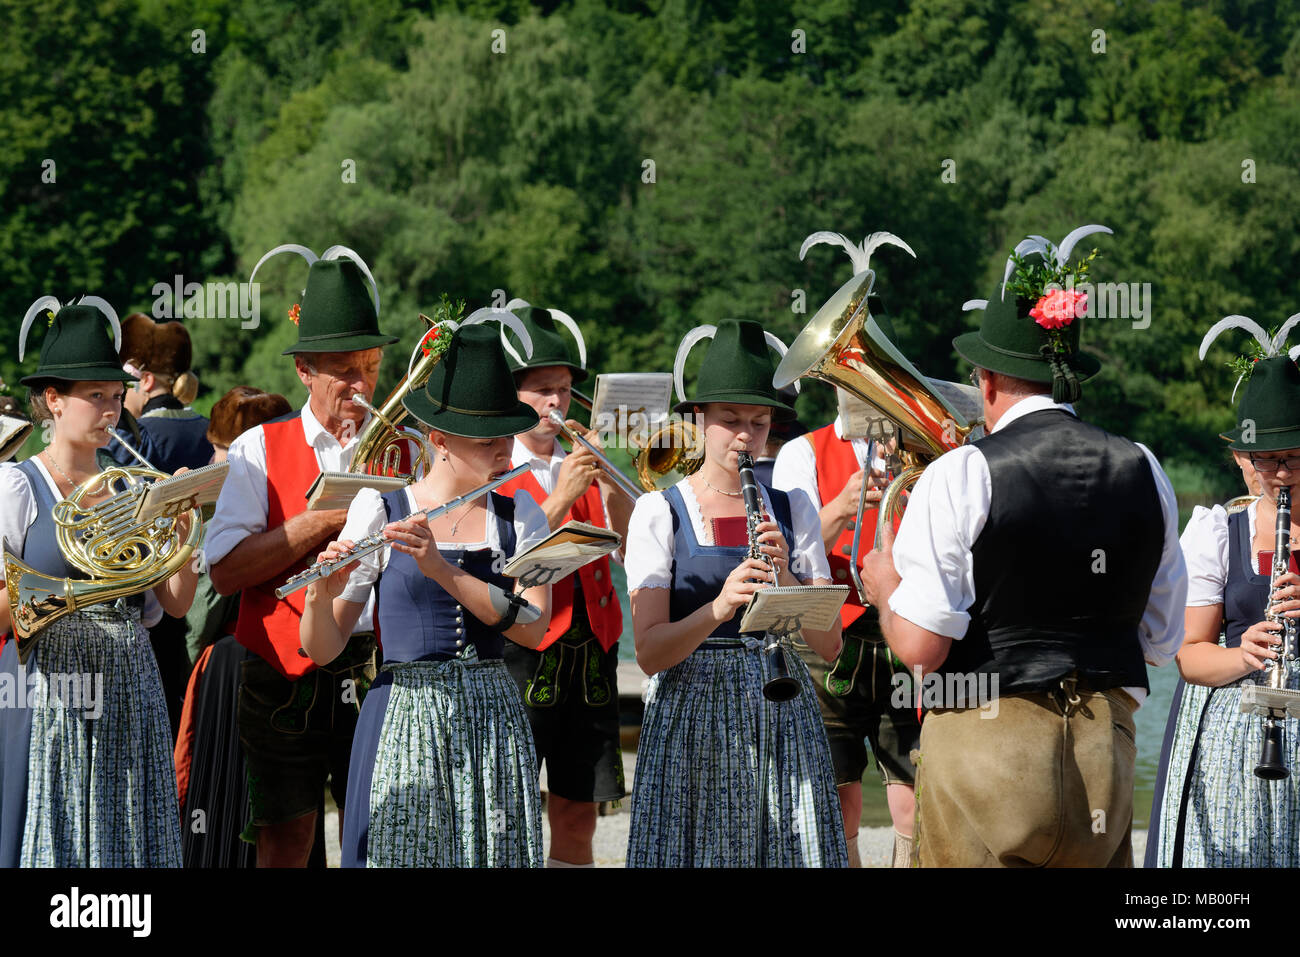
786	609
561	553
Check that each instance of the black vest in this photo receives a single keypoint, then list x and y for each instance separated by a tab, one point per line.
1064	564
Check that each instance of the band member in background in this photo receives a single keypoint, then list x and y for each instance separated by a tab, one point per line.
86	780
1046	554
443	771
1210	809
570	682
856	692
295	720
171	436
725	777
210	772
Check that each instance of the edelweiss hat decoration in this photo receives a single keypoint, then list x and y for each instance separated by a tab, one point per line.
739	364
1268	417
77	347
337	312
549	346
1032	322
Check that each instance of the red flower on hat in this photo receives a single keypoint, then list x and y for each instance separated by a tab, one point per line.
426	344
293	313
1059	307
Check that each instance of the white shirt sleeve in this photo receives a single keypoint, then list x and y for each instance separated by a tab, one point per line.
649	546
1161	629
366	516
807	559
530	522
932	552
242	506
17	510
796	468
1205	550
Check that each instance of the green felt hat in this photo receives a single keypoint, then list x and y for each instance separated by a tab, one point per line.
77	347
1268	416
1009	341
471	391
550	346
738	364
337	312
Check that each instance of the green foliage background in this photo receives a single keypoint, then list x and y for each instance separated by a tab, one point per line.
522	170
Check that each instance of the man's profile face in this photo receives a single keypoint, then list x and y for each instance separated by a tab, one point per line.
544	389
338	376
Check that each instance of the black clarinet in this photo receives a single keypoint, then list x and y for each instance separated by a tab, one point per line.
782	687
1272	760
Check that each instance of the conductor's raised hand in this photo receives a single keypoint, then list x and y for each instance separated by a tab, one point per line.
750	576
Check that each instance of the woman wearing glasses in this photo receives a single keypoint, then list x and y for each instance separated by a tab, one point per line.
1210	809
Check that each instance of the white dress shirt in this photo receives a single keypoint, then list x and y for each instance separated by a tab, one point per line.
650	537
366	516
1205	546
242	506
18	511
796	463
945	515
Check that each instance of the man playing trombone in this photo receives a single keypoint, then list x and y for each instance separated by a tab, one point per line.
569	684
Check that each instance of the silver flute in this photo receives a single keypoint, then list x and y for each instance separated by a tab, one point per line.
375	542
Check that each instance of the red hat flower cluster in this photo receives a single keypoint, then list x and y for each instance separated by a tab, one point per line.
1059	307
293	313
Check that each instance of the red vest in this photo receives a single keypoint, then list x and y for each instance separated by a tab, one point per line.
268	626
603	609
836	463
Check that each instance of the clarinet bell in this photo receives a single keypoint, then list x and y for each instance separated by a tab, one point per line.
1272	765
782	687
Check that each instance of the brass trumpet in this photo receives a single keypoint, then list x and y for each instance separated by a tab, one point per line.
612	470
119	554
671	454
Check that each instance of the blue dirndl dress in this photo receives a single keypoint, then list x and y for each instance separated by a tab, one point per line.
86	773
443	770
1210	809
725	777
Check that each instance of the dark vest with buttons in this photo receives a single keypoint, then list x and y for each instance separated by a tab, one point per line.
1065	561
418	620
699	571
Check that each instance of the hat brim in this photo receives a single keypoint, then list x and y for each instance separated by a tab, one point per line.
88	374
350	343
780	411
579	373
972	347
1264	441
493	425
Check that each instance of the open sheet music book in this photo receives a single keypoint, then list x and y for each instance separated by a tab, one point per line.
788	608
168	498
13	433
630	400
561	553
338	489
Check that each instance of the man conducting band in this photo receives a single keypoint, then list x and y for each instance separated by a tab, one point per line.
569	684
296	720
1039	565
856	692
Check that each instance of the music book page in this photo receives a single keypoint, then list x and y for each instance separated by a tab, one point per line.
338	489
167	498
637	399
787	609
561	553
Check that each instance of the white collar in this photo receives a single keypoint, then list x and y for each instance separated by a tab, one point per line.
315	433
523	453
1032	403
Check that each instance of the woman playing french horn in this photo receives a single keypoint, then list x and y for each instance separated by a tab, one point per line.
724	777
77	792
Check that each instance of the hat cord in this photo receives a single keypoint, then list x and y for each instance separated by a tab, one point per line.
1065	382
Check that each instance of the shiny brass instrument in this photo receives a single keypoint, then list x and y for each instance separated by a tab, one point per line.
614	472
672	453
1238	503
844	346
376	542
120	554
1274	701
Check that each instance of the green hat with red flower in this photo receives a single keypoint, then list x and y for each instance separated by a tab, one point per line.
1032	322
1268	417
338	313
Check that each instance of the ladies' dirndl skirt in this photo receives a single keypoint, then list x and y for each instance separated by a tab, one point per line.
100	785
454	780
726	778
1234	818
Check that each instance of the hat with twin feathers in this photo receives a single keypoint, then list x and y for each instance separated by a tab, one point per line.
737	367
338	312
78	346
1268	416
471	391
551	346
